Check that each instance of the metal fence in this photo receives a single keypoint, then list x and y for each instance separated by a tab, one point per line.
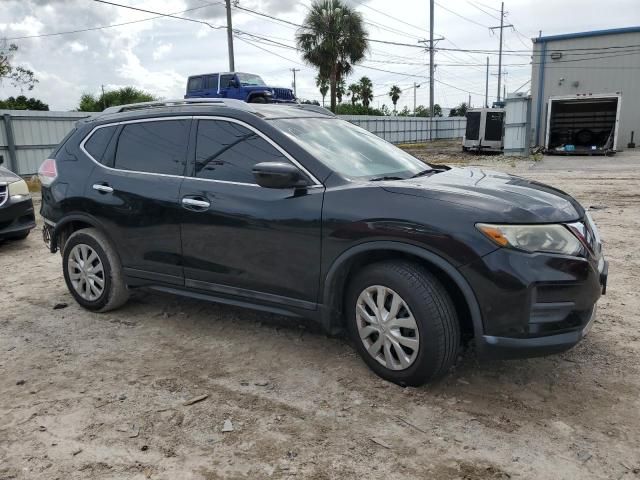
410	129
27	137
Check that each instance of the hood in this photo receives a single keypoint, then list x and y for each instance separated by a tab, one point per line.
504	198
7	176
256	88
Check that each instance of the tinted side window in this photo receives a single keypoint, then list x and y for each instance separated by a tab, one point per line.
224	80
228	151
211	82
195	83
156	147
98	142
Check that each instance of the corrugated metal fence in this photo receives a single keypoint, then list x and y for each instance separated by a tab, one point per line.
27	137
410	129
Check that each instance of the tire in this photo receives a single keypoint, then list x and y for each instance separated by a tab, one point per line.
426	300
114	292
258	99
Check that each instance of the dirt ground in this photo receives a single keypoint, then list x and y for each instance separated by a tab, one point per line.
102	396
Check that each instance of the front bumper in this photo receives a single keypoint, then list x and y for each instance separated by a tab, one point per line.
16	217
534	304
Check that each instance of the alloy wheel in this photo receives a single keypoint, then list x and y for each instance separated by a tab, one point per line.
387	328
86	272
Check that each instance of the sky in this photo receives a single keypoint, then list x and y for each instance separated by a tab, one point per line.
158	55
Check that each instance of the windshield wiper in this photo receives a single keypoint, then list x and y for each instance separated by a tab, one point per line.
379	179
428	171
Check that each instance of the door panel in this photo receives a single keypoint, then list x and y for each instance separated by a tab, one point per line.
138	201
253	238
239	236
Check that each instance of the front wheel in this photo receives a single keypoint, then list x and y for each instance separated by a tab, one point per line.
93	272
402	322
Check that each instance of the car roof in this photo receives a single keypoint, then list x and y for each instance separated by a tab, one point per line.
208	106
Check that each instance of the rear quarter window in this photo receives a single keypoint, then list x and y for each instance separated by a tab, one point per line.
97	143
195	83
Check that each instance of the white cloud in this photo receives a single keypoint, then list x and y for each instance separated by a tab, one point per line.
162	50
77	47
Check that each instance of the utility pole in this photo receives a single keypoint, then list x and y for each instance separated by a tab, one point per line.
469	104
431	67
232	66
415	87
103	99
501	27
486	87
294	70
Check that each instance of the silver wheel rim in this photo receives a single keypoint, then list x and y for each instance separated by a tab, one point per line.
387	327
86	272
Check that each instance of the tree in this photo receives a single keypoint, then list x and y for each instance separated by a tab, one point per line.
366	91
122	96
437	110
459	111
323	85
23	103
341	89
332	38
395	93
354	93
422	111
405	112
18	76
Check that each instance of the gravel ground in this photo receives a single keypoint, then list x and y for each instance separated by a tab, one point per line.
102	396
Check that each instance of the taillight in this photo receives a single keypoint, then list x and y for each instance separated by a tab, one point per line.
47	172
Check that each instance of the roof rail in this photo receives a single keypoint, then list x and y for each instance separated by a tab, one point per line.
227	102
315	108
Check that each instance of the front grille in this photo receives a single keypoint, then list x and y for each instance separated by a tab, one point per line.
283	94
4	194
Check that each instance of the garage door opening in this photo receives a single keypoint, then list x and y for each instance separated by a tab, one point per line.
583	125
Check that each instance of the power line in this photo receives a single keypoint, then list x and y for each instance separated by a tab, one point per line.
461	16
482	10
158	13
89	29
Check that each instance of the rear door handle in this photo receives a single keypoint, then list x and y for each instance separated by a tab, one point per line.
102	188
193	204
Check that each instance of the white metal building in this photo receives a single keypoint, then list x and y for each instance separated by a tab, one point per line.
585	89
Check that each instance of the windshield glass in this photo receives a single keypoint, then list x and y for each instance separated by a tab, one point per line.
250	79
349	150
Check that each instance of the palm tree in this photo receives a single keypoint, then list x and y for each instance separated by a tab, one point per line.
341	89
395	93
366	91
354	93
323	84
332	38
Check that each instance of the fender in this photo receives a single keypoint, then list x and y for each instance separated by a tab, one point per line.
75	217
332	278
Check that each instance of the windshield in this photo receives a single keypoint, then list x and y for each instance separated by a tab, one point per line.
250	79
350	150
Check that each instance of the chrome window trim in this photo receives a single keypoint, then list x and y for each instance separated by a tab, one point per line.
316	182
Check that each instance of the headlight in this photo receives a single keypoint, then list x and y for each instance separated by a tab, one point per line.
19	190
533	238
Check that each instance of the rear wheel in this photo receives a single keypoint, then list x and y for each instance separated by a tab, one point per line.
258	100
402	322
93	272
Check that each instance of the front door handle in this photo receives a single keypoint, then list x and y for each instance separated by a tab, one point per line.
102	188
193	204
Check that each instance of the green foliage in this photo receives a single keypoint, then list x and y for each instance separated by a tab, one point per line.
16	75
366	91
394	94
349	109
459	111
23	103
310	102
354	92
421	111
341	89
323	85
332	39
122	96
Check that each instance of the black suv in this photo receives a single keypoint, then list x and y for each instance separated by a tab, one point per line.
290	210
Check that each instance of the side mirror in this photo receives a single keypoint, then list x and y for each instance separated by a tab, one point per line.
278	175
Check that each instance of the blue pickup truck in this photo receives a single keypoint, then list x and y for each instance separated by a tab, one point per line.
247	87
